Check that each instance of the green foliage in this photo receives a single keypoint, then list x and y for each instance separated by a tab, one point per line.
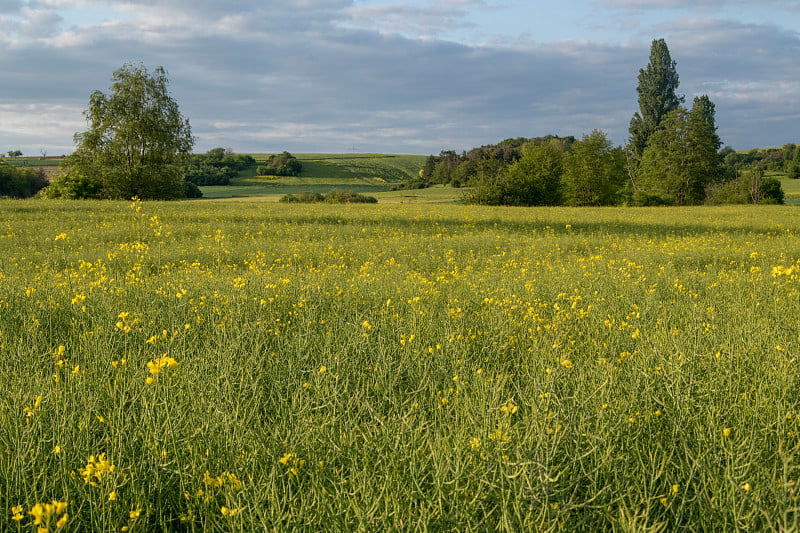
284	164
137	141
657	96
794	166
71	184
333	197
192	190
594	171
748	187
535	179
304	197
771	191
681	157
20	183
216	167
472	167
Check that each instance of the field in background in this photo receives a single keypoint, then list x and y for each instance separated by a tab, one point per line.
244	365
322	173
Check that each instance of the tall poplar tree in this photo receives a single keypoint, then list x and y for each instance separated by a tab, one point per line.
657	96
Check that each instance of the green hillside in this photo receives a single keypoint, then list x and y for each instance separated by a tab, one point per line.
362	173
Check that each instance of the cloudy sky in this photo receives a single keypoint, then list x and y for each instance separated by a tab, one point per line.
417	76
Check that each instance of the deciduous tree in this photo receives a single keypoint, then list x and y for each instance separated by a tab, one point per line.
137	141
594	171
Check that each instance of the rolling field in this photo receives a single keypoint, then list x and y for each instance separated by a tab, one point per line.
322	173
244	365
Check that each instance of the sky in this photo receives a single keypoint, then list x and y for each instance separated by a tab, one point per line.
413	77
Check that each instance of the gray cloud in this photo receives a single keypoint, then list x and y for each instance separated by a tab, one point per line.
303	76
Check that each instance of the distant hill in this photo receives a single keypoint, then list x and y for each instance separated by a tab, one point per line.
361	173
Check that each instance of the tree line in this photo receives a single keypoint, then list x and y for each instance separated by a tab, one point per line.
673	157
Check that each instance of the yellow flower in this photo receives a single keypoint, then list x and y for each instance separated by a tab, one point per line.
95	469
475	443
674	489
509	409
746	487
726	432
286	458
135	514
62	521
112	496
17	513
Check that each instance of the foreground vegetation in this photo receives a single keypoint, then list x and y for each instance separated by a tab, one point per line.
252	366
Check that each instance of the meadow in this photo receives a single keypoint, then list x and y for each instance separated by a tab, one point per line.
249	366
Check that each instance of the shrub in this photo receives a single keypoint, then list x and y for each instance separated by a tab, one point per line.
20	183
344	197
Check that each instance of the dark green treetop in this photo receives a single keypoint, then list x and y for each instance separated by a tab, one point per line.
657	96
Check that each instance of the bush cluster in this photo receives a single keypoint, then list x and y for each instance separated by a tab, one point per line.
333	197
20	183
216	167
284	164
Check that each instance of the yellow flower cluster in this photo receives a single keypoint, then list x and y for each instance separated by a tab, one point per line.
226	478
292	462
156	365
43	515
95	469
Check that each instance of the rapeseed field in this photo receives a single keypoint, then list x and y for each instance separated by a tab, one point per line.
248	366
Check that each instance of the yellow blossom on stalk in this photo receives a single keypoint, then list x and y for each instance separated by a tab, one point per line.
16	513
43	514
228	512
726	432
293	462
566	363
95	469
156	365
475	443
135	514
509	409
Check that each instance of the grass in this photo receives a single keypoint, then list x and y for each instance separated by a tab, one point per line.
791	189
253	366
